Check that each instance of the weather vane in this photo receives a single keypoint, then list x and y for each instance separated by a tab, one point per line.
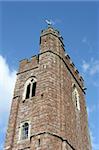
49	22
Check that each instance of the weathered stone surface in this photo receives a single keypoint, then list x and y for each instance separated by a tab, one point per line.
55	122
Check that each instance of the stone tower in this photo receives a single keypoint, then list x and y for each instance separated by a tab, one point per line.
48	109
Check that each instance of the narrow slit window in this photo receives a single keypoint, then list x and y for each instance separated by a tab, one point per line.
38	142
33	89
28	91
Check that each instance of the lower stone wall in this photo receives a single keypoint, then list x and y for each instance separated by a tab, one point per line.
44	141
48	141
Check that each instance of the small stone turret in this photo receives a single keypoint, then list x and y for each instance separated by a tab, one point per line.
50	39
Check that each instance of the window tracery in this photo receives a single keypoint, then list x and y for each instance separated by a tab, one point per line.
30	88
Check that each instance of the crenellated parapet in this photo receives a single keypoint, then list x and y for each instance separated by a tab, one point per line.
50	39
51	30
74	71
28	64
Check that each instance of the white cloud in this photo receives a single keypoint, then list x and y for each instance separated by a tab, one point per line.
86	42
91	109
94	141
1	146
95	146
96	84
85	66
2	133
91	67
95	68
7	82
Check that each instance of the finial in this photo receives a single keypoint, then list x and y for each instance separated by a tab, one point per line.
49	22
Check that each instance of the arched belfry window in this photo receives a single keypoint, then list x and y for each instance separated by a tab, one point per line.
75	97
30	88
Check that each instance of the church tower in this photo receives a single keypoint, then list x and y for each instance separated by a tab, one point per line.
48	109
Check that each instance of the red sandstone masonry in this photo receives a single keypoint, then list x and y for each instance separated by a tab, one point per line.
55	123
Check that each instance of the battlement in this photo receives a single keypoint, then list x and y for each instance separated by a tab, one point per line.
74	70
27	64
50	30
51	38
54	32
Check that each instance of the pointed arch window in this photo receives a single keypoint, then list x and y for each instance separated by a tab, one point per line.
30	88
75	97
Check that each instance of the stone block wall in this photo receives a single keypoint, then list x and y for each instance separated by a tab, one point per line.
55	123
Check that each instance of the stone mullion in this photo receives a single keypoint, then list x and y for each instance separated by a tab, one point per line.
31	86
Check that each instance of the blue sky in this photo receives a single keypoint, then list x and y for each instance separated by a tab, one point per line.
20	26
